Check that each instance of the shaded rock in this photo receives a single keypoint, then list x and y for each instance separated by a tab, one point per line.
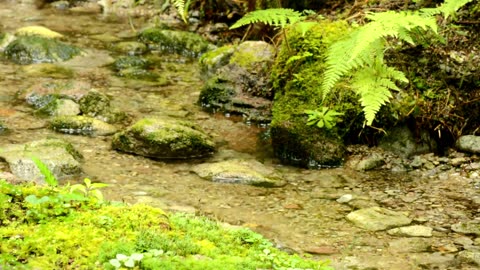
238	80
410	245
468	227
130	47
297	144
35	49
249	172
401	141
468	143
164	138
412	231
377	219
96	104
83	125
367	163
170	41
59	156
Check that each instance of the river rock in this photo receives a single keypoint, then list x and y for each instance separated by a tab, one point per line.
66	107
36	49
241	85
468	143
236	171
60	157
468	227
410	245
377	219
172	41
36	30
96	104
164	138
82	125
412	231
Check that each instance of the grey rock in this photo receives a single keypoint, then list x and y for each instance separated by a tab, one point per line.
345	198
65	107
164	138
377	219
468	143
249	172
58	155
412	231
401	141
370	162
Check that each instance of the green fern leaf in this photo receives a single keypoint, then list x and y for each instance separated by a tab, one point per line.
448	8
181	9
47	174
274	16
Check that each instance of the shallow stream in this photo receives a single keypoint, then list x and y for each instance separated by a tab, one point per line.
303	216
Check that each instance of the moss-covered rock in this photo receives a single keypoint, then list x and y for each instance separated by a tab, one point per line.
164	138
236	171
35	49
296	81
170	41
61	158
36	30
82	125
241	85
97	104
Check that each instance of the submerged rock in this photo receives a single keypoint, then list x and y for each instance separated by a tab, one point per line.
96	104
164	138
61	158
377	219
401	141
82	125
248	172
171	41
36	49
469	143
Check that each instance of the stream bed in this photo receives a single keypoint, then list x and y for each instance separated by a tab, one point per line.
303	216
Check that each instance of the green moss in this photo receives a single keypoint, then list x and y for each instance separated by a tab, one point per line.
35	49
217	58
90	234
250	54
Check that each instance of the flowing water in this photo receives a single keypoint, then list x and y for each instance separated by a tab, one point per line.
301	216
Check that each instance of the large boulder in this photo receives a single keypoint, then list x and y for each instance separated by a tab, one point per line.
61	158
164	138
248	172
237	80
296	82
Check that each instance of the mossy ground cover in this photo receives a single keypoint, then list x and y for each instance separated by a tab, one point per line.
55	228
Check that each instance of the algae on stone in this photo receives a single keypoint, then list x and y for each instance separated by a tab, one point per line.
35	49
164	138
83	125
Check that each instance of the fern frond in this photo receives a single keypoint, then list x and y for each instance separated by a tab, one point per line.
374	84
448	8
180	6
274	16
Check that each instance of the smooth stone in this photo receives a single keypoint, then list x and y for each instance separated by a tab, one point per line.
412	231
377	219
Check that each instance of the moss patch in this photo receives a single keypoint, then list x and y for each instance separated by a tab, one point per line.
43	228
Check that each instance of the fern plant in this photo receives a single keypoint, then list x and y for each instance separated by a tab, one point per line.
182	7
280	17
361	54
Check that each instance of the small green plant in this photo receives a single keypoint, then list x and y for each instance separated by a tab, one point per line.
182	7
326	118
45	171
89	189
126	261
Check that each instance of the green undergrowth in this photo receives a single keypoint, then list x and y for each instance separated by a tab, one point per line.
61	228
